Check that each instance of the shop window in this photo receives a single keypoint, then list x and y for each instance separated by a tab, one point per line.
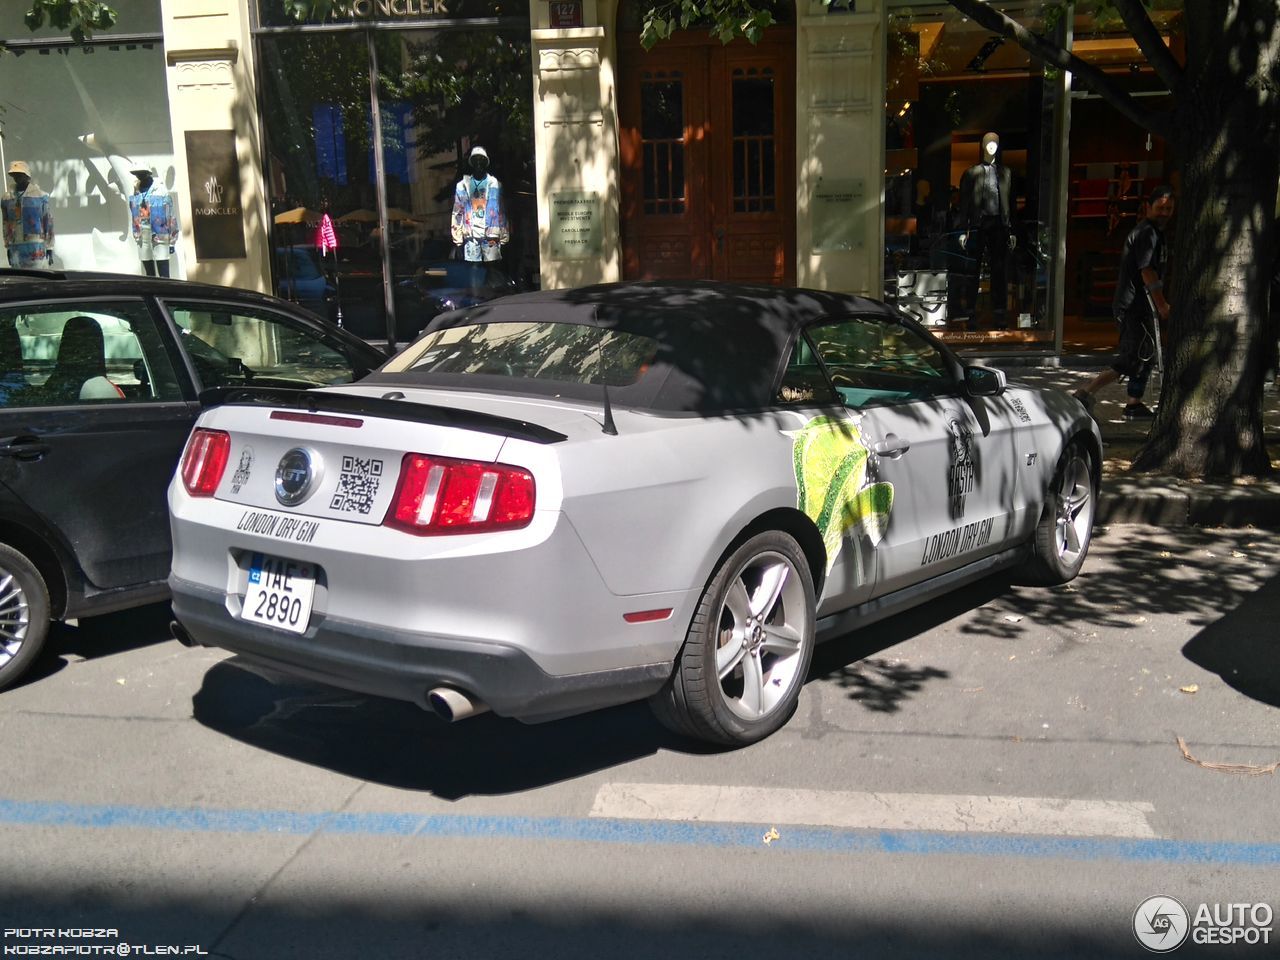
970	151
87	117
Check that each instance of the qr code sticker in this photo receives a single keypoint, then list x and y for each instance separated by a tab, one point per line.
357	485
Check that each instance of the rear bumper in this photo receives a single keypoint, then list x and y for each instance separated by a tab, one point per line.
404	664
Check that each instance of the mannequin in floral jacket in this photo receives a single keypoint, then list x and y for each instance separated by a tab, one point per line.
28	223
155	222
479	217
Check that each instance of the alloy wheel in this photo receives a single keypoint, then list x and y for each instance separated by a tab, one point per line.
15	617
1074	522
762	625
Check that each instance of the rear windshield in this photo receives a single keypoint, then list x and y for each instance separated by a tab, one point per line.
560	352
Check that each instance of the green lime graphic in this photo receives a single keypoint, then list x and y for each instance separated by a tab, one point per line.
830	461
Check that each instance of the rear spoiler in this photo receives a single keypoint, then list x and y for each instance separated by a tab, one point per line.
390	406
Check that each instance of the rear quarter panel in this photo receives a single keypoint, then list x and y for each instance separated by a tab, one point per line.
657	505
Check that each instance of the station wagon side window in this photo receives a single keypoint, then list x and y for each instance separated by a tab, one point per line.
875	360
70	353
232	345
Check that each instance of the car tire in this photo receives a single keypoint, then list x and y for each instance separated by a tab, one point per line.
738	675
24	614
1062	536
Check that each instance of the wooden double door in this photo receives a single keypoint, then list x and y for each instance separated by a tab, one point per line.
708	159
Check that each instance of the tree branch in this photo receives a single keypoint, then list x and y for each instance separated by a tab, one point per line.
1054	55
1150	42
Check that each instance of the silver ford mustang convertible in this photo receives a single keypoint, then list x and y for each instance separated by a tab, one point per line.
565	500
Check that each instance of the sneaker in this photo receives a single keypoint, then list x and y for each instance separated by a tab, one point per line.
1138	411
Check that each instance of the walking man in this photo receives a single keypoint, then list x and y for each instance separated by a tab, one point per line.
1141	286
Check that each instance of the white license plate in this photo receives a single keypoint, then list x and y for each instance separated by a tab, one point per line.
280	593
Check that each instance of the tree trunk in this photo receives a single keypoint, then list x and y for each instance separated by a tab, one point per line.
1210	417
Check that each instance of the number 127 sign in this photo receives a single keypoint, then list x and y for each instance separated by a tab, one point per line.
566	13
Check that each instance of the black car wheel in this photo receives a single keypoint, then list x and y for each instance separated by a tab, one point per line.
1062	537
24	614
744	661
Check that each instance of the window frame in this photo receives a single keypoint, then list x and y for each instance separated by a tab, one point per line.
169	305
164	334
952	386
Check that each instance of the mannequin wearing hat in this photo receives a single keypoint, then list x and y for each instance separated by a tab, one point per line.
985	192
155	222
28	221
479	222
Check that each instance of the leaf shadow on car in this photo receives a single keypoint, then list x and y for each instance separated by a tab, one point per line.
398	744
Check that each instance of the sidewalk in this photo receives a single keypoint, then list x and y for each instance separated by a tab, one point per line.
1150	498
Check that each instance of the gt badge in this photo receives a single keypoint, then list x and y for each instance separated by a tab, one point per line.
297	475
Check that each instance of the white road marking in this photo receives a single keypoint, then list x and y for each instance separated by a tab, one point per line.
768	806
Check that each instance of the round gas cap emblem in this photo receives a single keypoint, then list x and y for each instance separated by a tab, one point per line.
297	475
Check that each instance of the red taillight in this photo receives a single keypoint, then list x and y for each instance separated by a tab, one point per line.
437	495
204	461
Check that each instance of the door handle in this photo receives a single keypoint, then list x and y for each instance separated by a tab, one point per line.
892	446
23	448
720	240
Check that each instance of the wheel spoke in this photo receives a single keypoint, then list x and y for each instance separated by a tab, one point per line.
1071	537
780	639
752	685
1077	505
738	602
729	655
766	596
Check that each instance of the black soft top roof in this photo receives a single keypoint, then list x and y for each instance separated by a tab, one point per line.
719	345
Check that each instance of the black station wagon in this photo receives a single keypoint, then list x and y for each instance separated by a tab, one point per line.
101	378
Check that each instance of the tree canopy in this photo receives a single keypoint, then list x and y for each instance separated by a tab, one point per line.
77	17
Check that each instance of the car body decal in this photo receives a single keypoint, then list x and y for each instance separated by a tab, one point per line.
830	460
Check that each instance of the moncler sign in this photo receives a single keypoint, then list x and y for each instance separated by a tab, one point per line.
388	9
217	214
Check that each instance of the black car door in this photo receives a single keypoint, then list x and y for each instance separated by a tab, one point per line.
93	418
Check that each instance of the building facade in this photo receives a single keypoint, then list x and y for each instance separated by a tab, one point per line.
331	161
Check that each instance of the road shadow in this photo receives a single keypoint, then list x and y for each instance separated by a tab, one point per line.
1242	648
1199	576
883	684
434	920
397	744
96	637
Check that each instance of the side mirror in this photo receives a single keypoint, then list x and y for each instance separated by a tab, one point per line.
984	381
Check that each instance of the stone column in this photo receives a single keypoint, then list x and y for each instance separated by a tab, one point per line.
575	124
840	83
210	57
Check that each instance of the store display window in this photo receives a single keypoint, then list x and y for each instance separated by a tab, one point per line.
970	153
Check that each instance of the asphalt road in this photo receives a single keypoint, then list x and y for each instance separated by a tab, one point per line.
995	775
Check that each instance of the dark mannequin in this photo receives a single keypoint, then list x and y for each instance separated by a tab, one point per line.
20	182
985	193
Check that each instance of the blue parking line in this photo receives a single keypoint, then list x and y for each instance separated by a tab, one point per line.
633	832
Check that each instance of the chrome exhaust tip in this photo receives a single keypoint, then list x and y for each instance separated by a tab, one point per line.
453	705
179	633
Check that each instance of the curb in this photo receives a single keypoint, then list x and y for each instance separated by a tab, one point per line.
1170	503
